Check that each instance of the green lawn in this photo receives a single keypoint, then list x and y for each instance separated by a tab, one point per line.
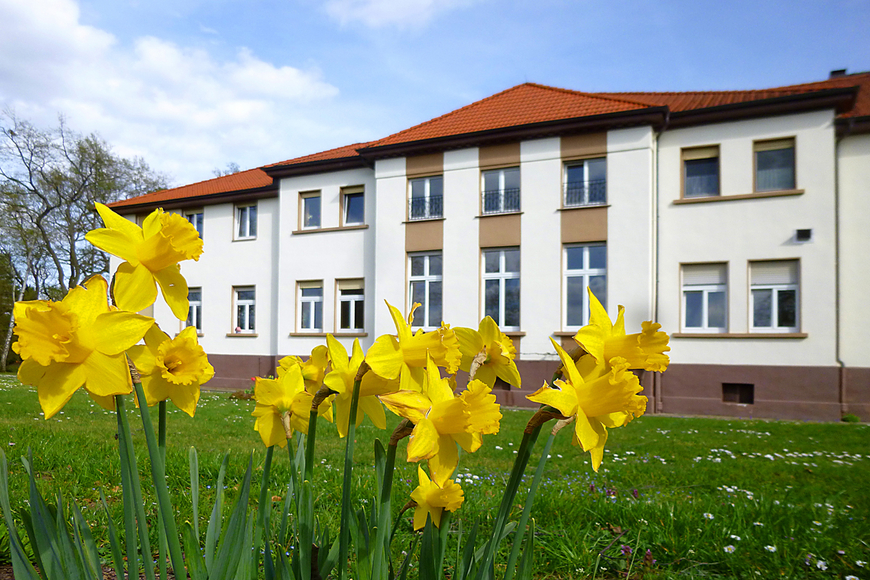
707	497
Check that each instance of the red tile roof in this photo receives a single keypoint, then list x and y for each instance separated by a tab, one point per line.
241	181
345	152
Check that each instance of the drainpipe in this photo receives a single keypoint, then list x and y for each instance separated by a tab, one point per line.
657	377
844	403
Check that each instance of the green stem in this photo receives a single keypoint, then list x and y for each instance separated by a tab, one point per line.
265	507
382	537
161	532
344	530
306	504
127	486
527	509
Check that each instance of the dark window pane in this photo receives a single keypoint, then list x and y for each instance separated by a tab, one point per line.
251	317
418	265
762	309
318	315
598	284
490	300
306	315
694	309
511	260
491	181
491	262
312	212
418	294
359	313
576	291
435	265
575	174
198	319
194	295
345	314
434	303
243	218
418	188
512	302
512	178
596	169
598	257
436	186
786	308
352	292
354	206
246	294
240	316
252	220
315	292
775	170
702	177
574	257
191	314
716	309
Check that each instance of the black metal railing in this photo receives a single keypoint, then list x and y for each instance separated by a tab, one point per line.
421	208
501	201
581	193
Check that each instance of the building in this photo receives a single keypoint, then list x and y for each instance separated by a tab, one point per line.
739	220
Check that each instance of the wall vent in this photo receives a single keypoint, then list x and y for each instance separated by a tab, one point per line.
738	393
803	236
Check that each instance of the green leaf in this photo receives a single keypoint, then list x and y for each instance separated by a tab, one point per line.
193	460
114	544
87	546
232	542
194	560
21	566
528	562
213	532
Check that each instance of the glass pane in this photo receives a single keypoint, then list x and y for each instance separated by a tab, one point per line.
574	258
418	188
786	308
490	300
242	219
491	181
312	212
345	314
511	260
252	220
198	319
418	265
436	186
702	177
314	292
435	265
194	295
694	309
352	292
598	284
306	315
191	315
418	294
575	174
435	304
716	309
762	308
574	305
491	261
251	317
512	178
354	208
318	315
512	302
245	295
598	257
240	317
775	170
597	169
359	313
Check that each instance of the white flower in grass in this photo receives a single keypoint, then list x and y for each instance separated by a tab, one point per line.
757	524
729	549
770	548
822	565
860	563
733	537
708	516
816	523
850	577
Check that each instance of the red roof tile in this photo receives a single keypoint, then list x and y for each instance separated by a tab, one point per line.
345	152
241	181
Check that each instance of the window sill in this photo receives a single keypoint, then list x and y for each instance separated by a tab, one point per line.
514	333
757	195
489	215
324	334
425	219
248	239
242	335
570	333
739	335
338	229
588	206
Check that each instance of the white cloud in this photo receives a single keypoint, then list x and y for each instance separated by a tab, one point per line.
182	109
401	13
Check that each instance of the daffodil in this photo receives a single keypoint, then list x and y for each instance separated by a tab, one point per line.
172	368
79	341
596	396
495	349
432	499
313	369
605	340
151	254
341	379
441	420
404	356
283	406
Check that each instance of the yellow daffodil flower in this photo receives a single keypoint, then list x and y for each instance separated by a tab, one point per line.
485	416
432	499
442	420
78	341
596	397
283	406
172	368
341	378
152	253
605	340
498	349
404	356
313	369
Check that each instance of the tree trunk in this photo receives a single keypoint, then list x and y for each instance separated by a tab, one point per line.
20	297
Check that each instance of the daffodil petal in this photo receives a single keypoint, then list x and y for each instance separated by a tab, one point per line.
134	289
174	288
337	354
58	385
372	407
423	442
186	398
31	372
509	374
564	399
385	357
271	430
115	332
488	330
107	375
408	404
143	359
123	225
107	402
115	242
443	464
89	300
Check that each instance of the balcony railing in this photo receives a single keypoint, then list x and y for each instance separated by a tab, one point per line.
423	208
582	193
501	201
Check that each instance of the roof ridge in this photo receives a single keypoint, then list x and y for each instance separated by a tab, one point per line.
218	178
591	95
353	146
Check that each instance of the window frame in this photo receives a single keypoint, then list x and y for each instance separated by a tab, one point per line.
304	196
689	154
357	326
427	198
586	273
775	289
502	191
247	303
427	278
585	183
706	289
197	218
194	309
352	192
502	276
243	215
780	144
311	303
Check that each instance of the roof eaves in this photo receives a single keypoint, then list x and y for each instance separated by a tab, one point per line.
200	200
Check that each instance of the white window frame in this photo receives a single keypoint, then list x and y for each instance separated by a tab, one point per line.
244	222
343	295
706	290
194	311
501	276
501	191
774	306
428	212
311	304
585	273
350	192
421	317
303	202
197	218
247	304
584	201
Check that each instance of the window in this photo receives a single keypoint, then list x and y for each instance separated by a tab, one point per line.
586	183
705	297
351	305
196	218
774	296
246	222
774	165
427	198
585	266
245	299
701	172
501	287
194	311
353	206
425	288
501	190
309	210
311	306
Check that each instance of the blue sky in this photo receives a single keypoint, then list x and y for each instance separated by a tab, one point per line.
191	85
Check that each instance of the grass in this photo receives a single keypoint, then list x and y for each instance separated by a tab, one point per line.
708	498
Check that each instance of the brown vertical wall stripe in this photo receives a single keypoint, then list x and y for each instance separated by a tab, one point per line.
584	145
499	231
424	165
497	156
584	225
424	236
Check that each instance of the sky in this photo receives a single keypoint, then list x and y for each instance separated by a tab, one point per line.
194	85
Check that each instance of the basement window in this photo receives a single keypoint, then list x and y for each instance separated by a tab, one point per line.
738	393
